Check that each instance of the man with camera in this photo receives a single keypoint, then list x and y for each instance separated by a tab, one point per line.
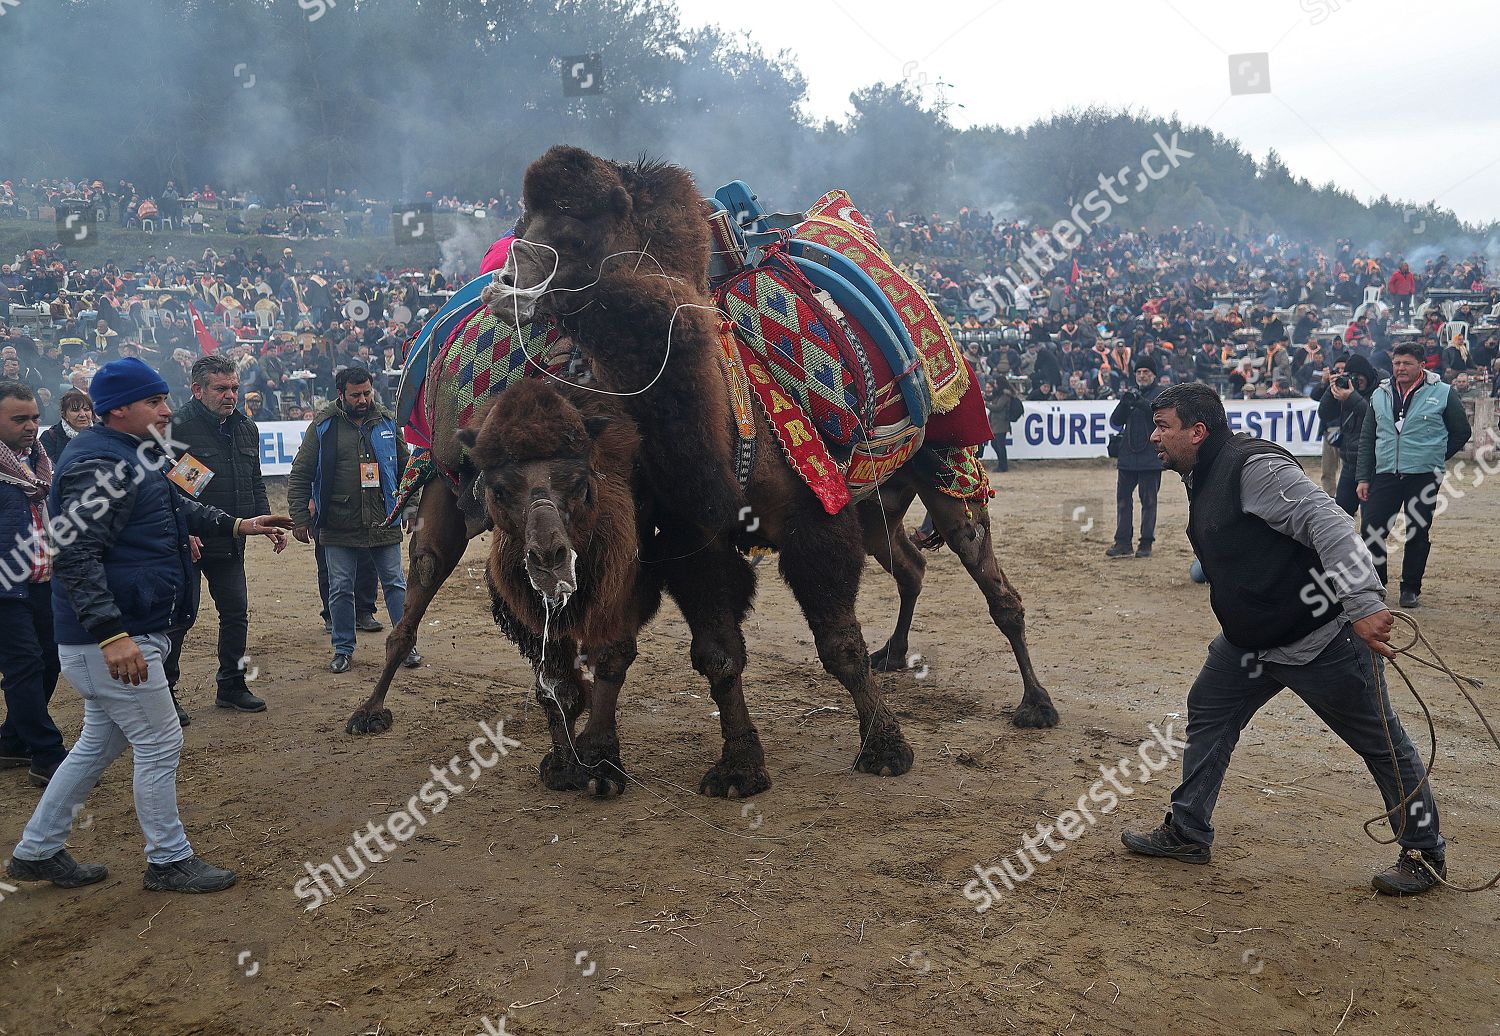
1346	400
1139	467
1416	422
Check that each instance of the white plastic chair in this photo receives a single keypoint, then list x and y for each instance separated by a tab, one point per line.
148	225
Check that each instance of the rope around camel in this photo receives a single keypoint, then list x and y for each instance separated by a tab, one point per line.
1385	700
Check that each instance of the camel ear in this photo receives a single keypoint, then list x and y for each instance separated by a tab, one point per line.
619	201
596	425
467	436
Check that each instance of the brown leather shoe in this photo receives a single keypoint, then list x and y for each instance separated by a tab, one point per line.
1413	873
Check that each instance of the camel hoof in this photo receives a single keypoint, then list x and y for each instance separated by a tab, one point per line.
886	754
887	661
559	775
727	781
599	761
607	785
369	721
1040	714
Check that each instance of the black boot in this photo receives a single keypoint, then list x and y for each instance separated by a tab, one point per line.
182	717
190	875
1168	842
59	868
239	699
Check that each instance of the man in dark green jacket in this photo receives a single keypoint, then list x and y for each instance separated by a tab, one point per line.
341	488
224	447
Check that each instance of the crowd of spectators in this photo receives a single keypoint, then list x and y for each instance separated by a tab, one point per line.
294	212
1265	318
1255	318
289	325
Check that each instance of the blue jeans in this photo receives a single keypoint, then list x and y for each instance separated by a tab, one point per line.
115	715
364	583
1342	686
343	565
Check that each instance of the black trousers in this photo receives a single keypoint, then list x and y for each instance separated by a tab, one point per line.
226	584
1343	687
29	667
365	583
1347	496
1147	484
1416	497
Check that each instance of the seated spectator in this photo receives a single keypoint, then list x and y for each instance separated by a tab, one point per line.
76	413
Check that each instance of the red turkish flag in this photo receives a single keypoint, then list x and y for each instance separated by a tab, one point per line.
206	342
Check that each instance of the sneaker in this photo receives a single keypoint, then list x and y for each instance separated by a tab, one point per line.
340	664
1143	551
1411	874
413	659
1168	842
1410	600
1118	551
40	774
183	718
193	874
239	699
368	624
59	868
14	756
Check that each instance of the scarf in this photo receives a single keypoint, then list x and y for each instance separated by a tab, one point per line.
34	479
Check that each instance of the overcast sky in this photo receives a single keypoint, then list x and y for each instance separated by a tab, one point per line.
1397	97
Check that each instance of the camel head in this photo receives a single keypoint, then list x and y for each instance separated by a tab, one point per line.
586	217
537	457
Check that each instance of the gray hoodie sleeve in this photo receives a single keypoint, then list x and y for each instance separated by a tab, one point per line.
1276	490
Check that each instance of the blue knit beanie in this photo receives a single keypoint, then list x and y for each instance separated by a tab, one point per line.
122	382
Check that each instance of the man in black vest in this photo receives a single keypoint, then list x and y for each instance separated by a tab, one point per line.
223	445
1296	595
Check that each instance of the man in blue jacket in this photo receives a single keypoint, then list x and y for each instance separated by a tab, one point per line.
1415	423
28	652
125	577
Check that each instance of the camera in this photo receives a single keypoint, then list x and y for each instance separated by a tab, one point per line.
1343	381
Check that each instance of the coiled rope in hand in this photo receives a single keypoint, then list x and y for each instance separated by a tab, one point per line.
1385	701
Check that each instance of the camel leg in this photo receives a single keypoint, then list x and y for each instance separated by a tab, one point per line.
714	587
560	690
886	541
821	559
598	746
436	547
967	532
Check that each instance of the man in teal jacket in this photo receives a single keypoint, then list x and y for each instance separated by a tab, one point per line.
1415	423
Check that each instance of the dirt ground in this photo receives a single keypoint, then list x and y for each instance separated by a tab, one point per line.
830	904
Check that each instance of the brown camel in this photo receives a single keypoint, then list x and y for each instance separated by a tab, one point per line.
556	470
619	255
